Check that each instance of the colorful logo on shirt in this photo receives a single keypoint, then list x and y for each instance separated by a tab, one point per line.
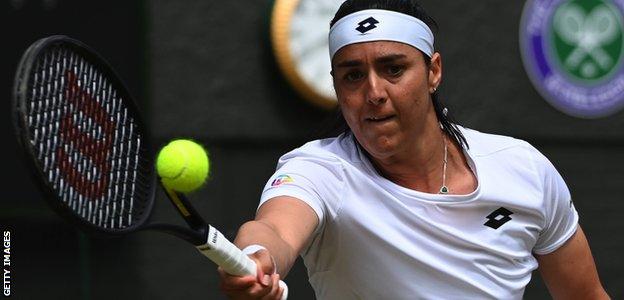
573	52
281	179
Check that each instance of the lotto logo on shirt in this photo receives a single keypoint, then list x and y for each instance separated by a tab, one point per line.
281	179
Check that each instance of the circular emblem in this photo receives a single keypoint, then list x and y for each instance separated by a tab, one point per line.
573	51
299	30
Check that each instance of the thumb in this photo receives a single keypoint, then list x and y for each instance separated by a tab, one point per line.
265	266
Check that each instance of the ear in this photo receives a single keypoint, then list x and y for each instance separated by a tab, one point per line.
435	72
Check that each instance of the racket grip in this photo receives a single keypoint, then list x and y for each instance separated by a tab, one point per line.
231	259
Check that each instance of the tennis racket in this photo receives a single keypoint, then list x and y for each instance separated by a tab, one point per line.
90	152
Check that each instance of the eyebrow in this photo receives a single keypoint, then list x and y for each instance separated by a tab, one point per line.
379	60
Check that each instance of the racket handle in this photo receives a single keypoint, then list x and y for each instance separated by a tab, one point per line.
231	259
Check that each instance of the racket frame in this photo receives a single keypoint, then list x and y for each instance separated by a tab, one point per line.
21	81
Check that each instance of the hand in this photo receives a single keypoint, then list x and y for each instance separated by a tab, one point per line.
264	286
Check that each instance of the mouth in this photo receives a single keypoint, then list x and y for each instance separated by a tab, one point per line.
380	119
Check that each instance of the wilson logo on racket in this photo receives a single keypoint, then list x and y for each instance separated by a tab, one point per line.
214	237
281	179
77	144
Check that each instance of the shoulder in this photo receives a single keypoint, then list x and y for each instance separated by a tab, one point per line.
329	152
313	173
506	150
483	144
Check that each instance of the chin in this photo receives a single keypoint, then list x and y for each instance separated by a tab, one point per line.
381	147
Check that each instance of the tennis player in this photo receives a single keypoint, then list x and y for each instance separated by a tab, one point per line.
405	204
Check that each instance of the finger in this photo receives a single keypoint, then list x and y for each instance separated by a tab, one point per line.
264	261
258	291
274	294
238	282
280	294
230	282
238	287
262	277
224	286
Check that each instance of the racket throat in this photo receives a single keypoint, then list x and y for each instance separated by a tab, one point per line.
185	209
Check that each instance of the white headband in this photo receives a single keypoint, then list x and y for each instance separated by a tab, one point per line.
380	25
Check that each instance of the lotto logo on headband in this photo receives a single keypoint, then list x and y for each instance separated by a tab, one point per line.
367	25
281	179
387	25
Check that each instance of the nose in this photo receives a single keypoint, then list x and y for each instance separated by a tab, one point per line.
375	93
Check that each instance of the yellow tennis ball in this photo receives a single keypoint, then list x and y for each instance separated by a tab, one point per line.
183	165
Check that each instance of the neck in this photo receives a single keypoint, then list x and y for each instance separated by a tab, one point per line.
420	165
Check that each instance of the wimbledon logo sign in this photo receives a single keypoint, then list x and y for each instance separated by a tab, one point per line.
573	52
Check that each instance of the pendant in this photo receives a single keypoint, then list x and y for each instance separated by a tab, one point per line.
444	190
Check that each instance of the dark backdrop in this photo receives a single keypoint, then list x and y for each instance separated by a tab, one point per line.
204	70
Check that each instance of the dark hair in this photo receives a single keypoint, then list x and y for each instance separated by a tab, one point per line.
412	8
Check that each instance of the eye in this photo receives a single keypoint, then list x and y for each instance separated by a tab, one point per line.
394	70
353	76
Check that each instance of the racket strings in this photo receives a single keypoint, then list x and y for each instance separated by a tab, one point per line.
86	141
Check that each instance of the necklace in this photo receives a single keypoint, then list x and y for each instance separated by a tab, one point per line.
444	189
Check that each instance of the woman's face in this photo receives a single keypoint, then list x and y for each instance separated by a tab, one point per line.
384	89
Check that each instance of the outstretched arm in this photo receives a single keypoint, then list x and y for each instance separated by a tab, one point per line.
283	225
